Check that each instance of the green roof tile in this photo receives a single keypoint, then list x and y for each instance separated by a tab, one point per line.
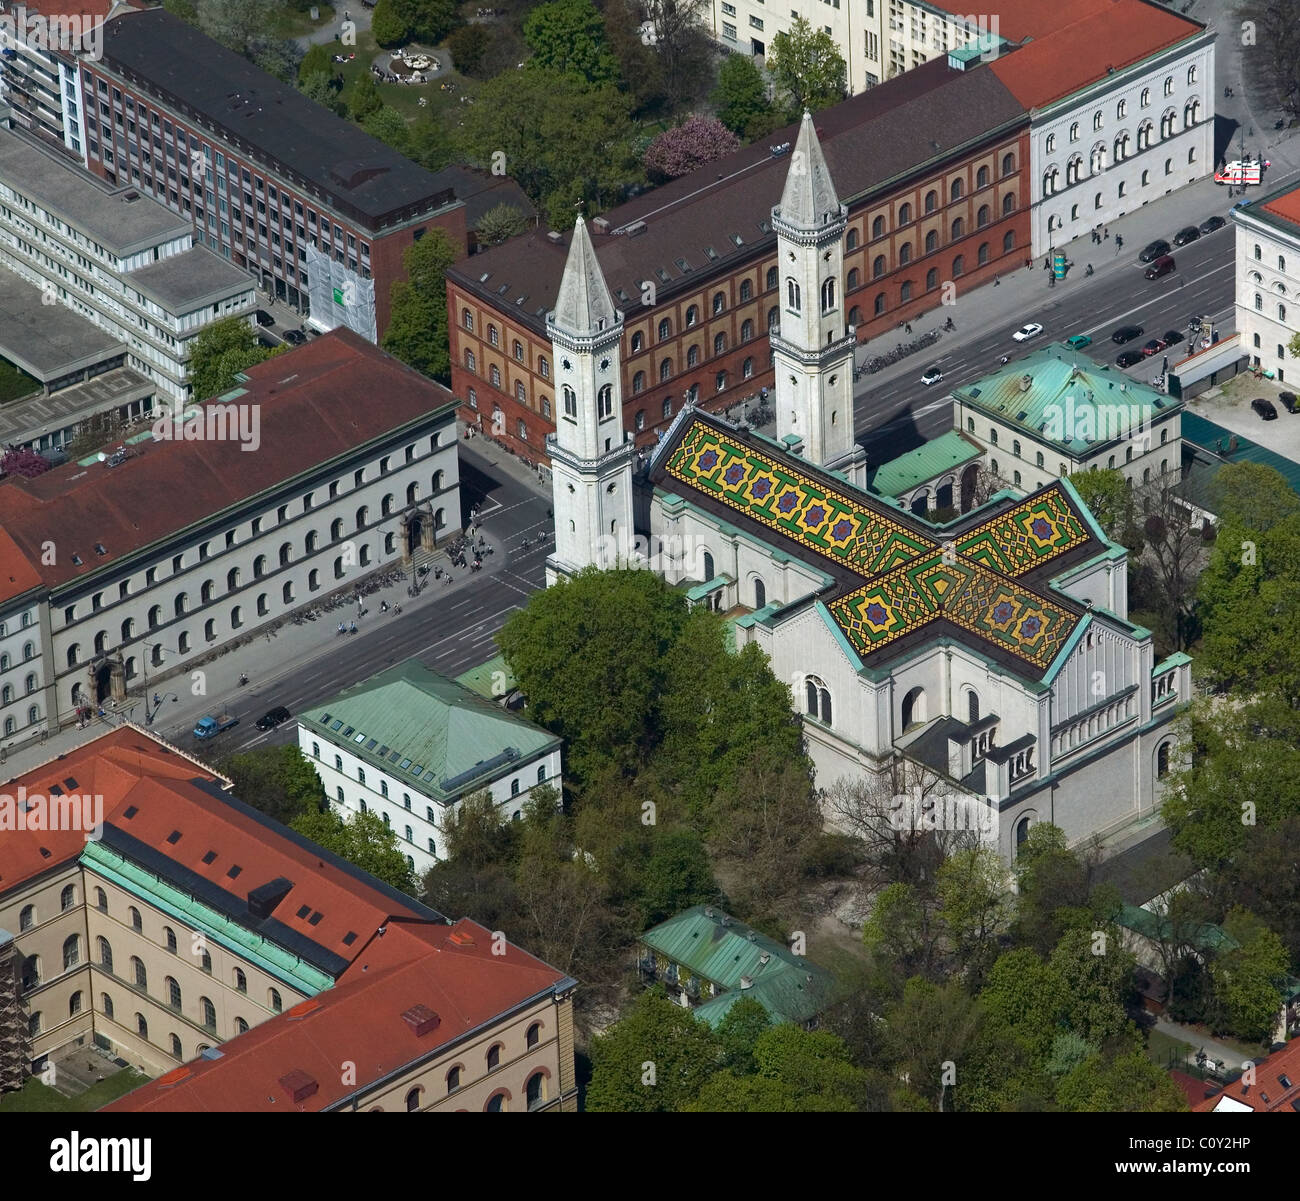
922	464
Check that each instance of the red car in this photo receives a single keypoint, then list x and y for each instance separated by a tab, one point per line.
1155	346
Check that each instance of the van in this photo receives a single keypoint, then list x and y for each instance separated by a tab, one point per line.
1162	266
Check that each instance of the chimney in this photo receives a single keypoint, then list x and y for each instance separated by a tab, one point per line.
298	1086
421	1019
263	900
746	982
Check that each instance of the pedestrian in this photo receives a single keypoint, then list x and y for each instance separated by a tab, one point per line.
907	327
1106	233
997	282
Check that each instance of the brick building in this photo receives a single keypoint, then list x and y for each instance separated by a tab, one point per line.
931	167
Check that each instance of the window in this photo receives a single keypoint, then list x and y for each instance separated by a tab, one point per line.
241	981
904	214
692	316
453	1080
67	898
136	923
413	1101
931	200
638	342
1050	146
931	241
27	918
467	320
105	954
71	951
241	1026
536	1090
74	1004
176	1047
792	295
720	341
817	699
170	936
142	1027
494	1057
905	292
719	303
1009	241
276	1004
878	304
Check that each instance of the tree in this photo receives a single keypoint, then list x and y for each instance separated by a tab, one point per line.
899	931
362	840
741	99
388	28
426	21
1276	65
417	327
279	781
1022	996
1054	886
932	1027
1263	878
95	433
388	126
429	143
1108	497
1096	977
1248	982
221	351
683	47
655	1060
1127	1083
569	36
695	143
677	875
563	141
24	462
240	25
363	99
280	57
500	223
590	656
323	88
1183	916
467	46
975	906
807	68
1252	495
640	66
475	876
317	58
737	1033
1176	550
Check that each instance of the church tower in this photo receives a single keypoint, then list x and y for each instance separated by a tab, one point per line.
591	454
814	350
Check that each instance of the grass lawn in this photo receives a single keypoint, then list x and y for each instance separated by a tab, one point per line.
1165	1051
15	383
35	1097
405	98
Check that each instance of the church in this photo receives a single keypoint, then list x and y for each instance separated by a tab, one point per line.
987	659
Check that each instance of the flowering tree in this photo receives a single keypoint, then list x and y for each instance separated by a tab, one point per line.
697	141
23	462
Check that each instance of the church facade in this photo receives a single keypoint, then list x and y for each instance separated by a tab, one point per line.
991	657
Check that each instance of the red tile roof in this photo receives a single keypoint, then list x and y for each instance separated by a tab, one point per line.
291	1062
1075	44
170	793
1268	1093
1286	206
97	9
318	402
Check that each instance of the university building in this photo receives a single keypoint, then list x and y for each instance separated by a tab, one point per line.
241	964
1268	280
992	654
411	745
139	566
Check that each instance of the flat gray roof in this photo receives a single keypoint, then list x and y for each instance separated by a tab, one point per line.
48	340
97	210
185	281
29	420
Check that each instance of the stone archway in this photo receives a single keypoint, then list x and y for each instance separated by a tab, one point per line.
105	680
943	493
968	479
921	502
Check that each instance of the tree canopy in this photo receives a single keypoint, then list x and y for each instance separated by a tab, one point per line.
417	328
807	67
221	351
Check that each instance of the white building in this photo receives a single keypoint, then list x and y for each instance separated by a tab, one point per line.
1056	412
994	653
411	745
1268	280
141	566
119	259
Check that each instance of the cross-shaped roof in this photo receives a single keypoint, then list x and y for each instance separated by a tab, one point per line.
894	577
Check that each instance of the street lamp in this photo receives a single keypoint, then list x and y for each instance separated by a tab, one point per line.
157	705
148	717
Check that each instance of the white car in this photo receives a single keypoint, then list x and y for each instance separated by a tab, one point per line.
932	376
1025	332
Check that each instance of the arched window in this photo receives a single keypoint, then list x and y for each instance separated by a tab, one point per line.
467	320
536	1089
932	279
719	302
958	228
413	1100
638	382
241	981
169	936
494	1057
760	593
1162	760
719	343
983	216
817	699
241	1026
747	286
105	953
276	1004
972	706
878	228
27	918
905	292
772	279
106	1003
71	951
496	1103
905	253
931	200
665	329
176	1047
605	402
878	266
665	370
828	296
878	304
904	214
209	1012
67	898
931	241
692	356
914	708
453	1079
792	296
692	316
534	1035
74	1004
746	329
955	192
570	403
1022	831
1009	241
173	992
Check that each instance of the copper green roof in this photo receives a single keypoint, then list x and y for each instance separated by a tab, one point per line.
742	962
1220	448
420	726
1153	926
896	580
1061	397
491	680
924	463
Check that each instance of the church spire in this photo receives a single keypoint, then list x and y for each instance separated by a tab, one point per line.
809	200
584	305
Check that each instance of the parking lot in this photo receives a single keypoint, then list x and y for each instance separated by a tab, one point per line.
1229	406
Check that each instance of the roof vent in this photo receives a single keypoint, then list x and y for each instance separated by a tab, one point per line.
1026	382
752	936
635	229
298	1085
462	938
601	224
554	236
746	982
765	957
421	1019
708	912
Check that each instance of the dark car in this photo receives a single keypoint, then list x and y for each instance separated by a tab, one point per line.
295	337
1183	236
1153	251
277	716
1289	401
1264	408
1129	358
1172	337
264	318
1155	346
1126	333
1208	227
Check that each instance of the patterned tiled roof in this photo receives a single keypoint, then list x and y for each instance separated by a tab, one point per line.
895	579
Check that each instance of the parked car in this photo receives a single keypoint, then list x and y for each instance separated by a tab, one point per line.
1173	336
1289	401
264	318
1129	358
275	717
1264	408
1078	341
1162	266
1126	333
295	337
1025	332
1213	223
1189	234
932	376
1153	251
1155	346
